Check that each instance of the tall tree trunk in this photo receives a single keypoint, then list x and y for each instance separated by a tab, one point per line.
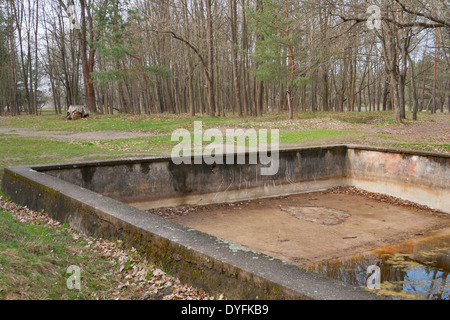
395	94
433	108
87	58
325	94
14	107
292	62
259	85
413	90
18	13
210	39
36	58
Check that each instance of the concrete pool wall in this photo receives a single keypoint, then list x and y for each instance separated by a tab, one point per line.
165	183
92	198
419	177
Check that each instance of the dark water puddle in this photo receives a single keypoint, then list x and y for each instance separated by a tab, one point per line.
414	269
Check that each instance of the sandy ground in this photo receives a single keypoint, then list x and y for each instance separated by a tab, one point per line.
307	228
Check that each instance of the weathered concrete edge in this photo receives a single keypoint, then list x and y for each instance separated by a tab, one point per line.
80	164
109	162
212	264
399	151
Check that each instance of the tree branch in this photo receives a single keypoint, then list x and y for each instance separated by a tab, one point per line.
442	24
439	22
190	45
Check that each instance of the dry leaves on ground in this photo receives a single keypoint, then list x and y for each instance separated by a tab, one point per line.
382	198
129	268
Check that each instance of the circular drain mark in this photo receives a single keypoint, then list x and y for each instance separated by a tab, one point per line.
321	215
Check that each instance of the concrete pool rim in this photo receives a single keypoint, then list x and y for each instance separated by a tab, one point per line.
202	260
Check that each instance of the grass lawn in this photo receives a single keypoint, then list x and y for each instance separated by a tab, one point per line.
37	252
35	256
306	129
16	149
34	260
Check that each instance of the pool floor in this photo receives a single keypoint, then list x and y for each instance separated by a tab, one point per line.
339	235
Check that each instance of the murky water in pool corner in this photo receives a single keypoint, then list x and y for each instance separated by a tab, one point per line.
414	269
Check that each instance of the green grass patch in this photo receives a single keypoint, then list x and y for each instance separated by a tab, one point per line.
4	196
313	135
15	151
383	137
34	261
149	144
167	123
25	151
158	124
285	137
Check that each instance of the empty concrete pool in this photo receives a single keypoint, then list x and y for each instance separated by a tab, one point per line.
228	229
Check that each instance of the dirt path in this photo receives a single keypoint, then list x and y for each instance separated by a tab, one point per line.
79	136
